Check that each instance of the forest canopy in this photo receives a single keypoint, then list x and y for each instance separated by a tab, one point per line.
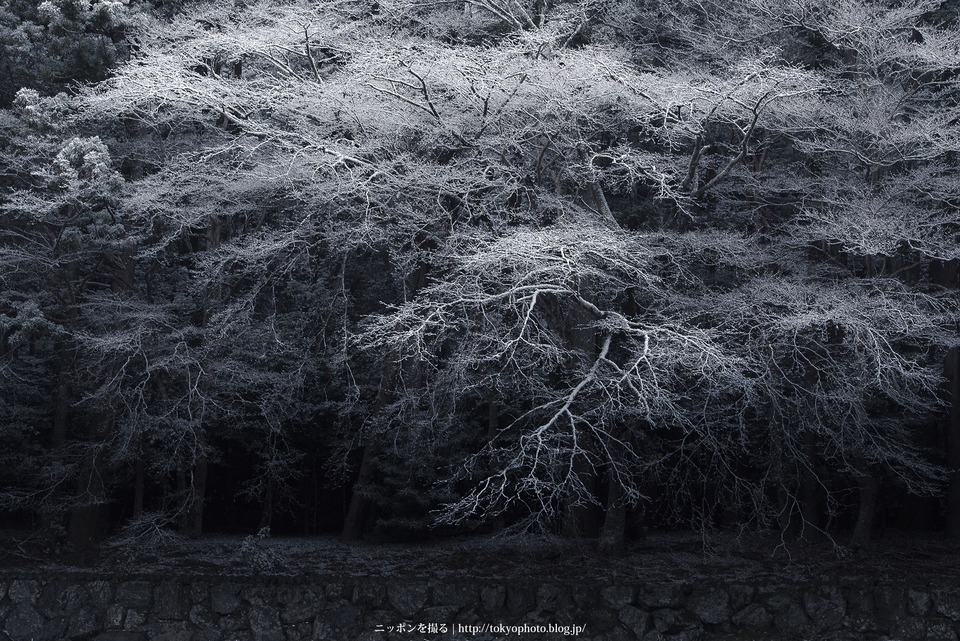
410	267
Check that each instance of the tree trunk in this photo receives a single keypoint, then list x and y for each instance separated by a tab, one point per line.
139	480
362	513
811	503
811	508
952	372
615	521
948	275
359	512
785	501
199	491
869	489
580	519
493	428
61	408
266	509
362	510
183	523
85	528
53	519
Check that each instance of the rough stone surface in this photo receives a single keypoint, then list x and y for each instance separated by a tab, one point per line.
53	629
134	594
710	605
674	621
826	612
258	594
341	615
170	601
301	606
265	624
83	623
366	595
23	622
909	629
299	632
493	597
114	617
520	598
199	591
61	598
459	596
553	598
233	622
322	631
585	597
201	615
741	596
940	630
278	609
670	595
24	591
860	612
439	614
335	591
634	619
117	635
792	622
890	603
947	603
224	599
133	619
617	596
603	619
764	592
407	599
918	602
169	631
754	616
101	594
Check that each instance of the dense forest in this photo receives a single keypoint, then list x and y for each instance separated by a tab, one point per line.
412	268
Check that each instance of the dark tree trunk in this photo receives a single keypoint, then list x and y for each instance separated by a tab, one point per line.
61	410
869	490
811	508
952	372
615	520
361	513
266	509
580	519
947	273
85	526
782	486
361	507
183	523
61	422
811	503
139	480
493	428
199	491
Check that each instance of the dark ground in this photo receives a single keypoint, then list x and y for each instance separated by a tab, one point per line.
908	557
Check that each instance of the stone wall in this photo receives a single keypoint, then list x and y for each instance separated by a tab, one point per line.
204	608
